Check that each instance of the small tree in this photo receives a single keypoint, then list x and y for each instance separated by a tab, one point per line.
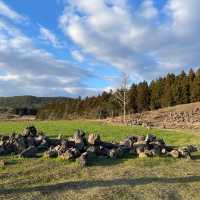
121	95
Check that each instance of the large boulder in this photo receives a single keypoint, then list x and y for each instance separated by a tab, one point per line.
68	155
94	139
128	142
2	163
79	140
20	144
51	153
141	138
1	150
142	155
150	138
30	131
85	159
29	152
174	153
30	141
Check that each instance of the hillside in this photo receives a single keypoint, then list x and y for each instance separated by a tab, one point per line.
180	116
11	107
27	101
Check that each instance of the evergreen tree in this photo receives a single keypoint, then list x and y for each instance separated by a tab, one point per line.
191	77
132	98
155	94
142	97
195	92
167	95
181	88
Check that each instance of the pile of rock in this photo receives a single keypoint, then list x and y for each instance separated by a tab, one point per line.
25	144
85	149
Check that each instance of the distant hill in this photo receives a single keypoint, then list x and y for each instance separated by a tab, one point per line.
26	105
28	101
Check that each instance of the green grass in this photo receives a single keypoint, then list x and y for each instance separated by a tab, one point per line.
127	178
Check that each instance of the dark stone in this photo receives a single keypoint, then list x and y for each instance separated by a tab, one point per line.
30	131
174	153
141	138
85	159
150	138
51	153
29	152
2	163
94	139
68	155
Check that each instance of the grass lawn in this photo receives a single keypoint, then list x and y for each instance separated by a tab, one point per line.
127	178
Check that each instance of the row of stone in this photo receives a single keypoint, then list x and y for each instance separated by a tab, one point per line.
86	148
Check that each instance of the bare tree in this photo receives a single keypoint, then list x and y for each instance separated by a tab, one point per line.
121	95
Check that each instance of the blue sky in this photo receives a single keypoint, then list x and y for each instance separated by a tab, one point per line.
81	47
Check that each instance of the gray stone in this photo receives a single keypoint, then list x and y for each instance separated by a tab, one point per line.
29	152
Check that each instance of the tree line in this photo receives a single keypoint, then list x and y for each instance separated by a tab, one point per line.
169	90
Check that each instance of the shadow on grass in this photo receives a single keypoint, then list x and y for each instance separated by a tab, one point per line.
103	161
196	157
78	185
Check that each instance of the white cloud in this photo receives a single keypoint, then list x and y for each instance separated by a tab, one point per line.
86	91
49	37
26	69
145	42
9	77
148	10
6	11
78	56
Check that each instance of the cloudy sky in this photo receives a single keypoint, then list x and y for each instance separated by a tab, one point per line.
81	47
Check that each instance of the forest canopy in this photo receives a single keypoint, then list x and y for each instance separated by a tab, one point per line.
165	91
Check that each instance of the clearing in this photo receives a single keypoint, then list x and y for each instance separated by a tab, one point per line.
126	178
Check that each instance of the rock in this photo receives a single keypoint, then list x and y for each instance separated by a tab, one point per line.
155	152
92	149
141	138
127	143
30	131
54	142
150	138
39	139
30	141
2	163
133	152
62	148
20	144
184	153
108	145
143	155
102	151
192	148
85	159
121	151
60	137
1	150
174	153
29	152
68	155
149	153
93	139
139	147
113	153
51	153
163	151
79	140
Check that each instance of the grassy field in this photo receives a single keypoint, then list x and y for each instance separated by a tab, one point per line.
127	178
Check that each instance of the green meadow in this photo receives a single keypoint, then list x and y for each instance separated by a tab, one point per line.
126	178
